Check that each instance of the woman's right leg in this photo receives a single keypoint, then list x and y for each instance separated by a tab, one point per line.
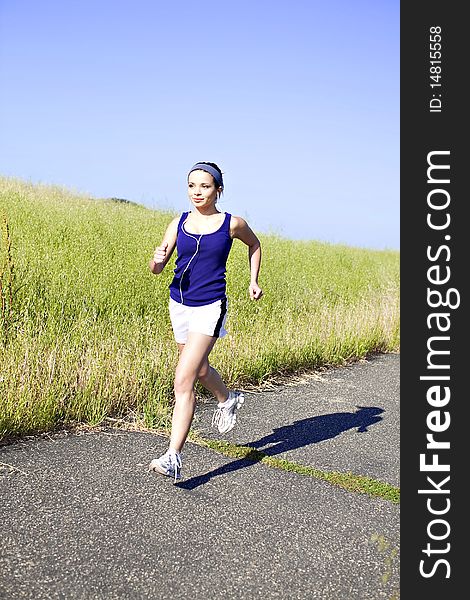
192	358
193	364
210	379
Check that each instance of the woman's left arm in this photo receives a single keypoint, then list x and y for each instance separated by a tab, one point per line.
241	230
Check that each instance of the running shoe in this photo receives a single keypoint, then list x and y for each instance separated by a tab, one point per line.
168	464
225	417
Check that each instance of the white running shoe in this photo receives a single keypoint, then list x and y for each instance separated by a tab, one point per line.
225	417
168	464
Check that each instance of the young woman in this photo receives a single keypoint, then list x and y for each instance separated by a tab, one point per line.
198	303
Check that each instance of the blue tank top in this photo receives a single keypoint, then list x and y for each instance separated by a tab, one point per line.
199	275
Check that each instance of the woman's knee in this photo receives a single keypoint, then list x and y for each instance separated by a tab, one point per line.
204	371
184	381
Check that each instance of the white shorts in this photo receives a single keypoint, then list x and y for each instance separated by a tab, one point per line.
208	319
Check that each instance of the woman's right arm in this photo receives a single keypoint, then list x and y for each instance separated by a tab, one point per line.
163	252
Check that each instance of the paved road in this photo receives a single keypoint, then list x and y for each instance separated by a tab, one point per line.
81	518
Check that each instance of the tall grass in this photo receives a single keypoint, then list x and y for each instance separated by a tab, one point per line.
85	327
6	276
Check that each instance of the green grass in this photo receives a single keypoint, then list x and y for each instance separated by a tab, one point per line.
85	331
348	481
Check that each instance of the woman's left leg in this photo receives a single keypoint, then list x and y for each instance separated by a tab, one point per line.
212	381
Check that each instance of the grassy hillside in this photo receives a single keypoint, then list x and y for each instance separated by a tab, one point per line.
85	330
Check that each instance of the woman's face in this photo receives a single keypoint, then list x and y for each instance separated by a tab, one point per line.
202	190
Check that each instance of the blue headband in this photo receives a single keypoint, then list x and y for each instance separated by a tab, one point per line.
215	174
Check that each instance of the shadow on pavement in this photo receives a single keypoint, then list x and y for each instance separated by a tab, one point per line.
289	437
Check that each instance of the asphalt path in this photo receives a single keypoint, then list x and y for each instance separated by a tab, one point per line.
82	518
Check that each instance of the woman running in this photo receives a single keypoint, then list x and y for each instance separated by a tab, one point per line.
198	303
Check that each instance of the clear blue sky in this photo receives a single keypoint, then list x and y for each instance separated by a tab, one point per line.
297	101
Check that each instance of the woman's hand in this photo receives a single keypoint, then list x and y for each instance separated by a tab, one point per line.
255	291
163	252
159	256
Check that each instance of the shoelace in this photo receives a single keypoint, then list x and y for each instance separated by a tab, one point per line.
175	462
219	415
